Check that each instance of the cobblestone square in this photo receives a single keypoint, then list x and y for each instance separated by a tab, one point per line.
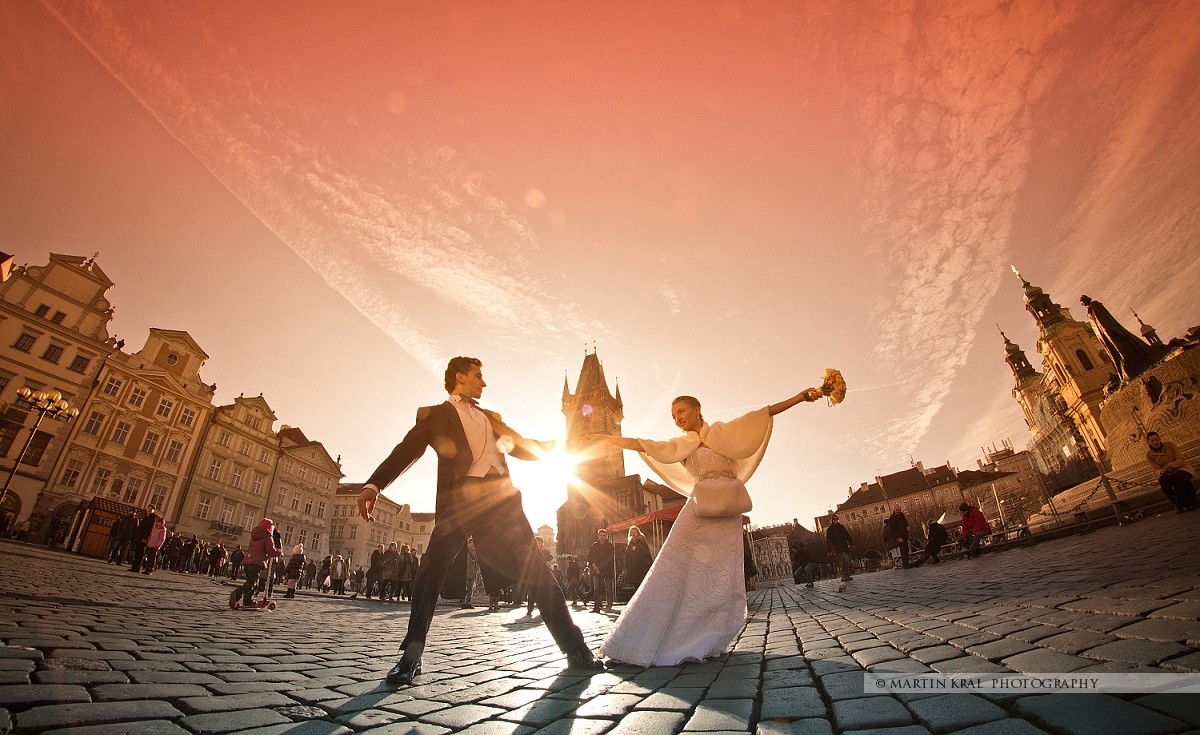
89	647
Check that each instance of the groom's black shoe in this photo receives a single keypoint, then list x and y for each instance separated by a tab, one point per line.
405	670
583	659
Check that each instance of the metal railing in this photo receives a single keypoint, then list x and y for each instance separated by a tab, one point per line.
222	527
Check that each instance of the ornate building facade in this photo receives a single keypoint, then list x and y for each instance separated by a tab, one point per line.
600	494
227	490
1076	367
138	433
53	337
303	492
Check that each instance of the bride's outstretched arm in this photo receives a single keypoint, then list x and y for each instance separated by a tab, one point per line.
623	442
804	396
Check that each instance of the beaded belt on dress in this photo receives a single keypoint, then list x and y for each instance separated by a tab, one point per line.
716	475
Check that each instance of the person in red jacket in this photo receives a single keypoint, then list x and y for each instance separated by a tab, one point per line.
261	550
974	528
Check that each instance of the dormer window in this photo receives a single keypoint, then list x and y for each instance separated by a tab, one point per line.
172	358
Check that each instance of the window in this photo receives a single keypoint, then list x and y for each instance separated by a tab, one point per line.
254	422
37	448
79	364
115	490
316	541
320	510
287	534
422	529
187	417
227	513
42	310
248	519
1084	360
3	383
137	397
303	536
25	342
70	475
121	432
58	317
133	488
150	442
159	496
94	422
101	480
172	358
236	478
245	448
52	354
223	440
112	387
256	486
214	469
303	472
282	497
174	449
203	506
164	408
308	505
263	456
287	466
295	500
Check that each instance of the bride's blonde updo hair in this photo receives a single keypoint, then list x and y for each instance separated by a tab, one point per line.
690	401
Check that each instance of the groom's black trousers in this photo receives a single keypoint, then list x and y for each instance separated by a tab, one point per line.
489	509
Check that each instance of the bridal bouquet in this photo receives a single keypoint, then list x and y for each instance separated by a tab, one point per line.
834	386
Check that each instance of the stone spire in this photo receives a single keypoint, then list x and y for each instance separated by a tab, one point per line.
1148	332
1130	355
1038	302
1016	359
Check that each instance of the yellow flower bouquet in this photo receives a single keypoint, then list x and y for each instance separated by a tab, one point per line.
834	386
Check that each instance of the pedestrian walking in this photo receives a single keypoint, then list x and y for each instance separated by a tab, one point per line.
472	572
896	534
295	567
638	558
339	572
154	542
603	560
119	536
235	561
140	535
216	557
839	544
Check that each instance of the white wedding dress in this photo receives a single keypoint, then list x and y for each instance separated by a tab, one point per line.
692	603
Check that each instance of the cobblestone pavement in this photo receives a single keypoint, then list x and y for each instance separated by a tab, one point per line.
92	648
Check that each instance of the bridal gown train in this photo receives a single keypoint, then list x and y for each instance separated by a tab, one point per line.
692	603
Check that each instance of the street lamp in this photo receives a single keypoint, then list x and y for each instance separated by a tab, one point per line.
50	404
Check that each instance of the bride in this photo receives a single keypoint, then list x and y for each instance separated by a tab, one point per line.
692	603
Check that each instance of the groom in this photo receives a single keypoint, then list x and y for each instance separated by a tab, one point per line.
475	498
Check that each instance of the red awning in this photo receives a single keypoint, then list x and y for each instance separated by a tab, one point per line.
666	515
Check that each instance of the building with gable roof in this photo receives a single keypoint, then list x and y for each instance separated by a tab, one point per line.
228	487
303	492
137	435
53	337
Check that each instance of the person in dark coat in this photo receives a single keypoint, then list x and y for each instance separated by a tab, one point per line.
936	533
638	558
389	565
141	535
475	497
216	557
373	575
310	573
118	545
323	574
573	577
235	561
603	560
295	567
839	544
896	533
803	565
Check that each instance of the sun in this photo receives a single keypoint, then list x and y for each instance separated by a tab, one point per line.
543	484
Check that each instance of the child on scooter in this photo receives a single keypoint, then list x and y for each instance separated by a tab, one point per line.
258	553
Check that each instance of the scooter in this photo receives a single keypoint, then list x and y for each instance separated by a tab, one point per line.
266	603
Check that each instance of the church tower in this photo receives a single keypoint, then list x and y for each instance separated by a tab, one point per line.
1075	364
592	409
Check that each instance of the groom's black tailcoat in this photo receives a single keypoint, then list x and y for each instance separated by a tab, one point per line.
489	509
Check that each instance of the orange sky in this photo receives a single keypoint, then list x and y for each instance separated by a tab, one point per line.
727	197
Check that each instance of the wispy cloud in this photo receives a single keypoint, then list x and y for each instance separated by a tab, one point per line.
948	94
430	232
672	298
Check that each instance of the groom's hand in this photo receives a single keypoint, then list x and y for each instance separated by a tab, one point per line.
366	501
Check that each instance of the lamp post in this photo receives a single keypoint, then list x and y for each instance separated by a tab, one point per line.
50	404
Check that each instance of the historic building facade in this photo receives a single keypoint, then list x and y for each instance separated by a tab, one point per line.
600	494
228	488
138	433
304	492
53	337
922	494
1076	367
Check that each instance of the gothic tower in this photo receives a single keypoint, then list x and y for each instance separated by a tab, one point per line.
592	409
1075	364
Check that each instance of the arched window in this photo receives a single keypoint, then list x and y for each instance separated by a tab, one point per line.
1084	360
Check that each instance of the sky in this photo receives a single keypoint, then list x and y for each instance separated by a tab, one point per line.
721	198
